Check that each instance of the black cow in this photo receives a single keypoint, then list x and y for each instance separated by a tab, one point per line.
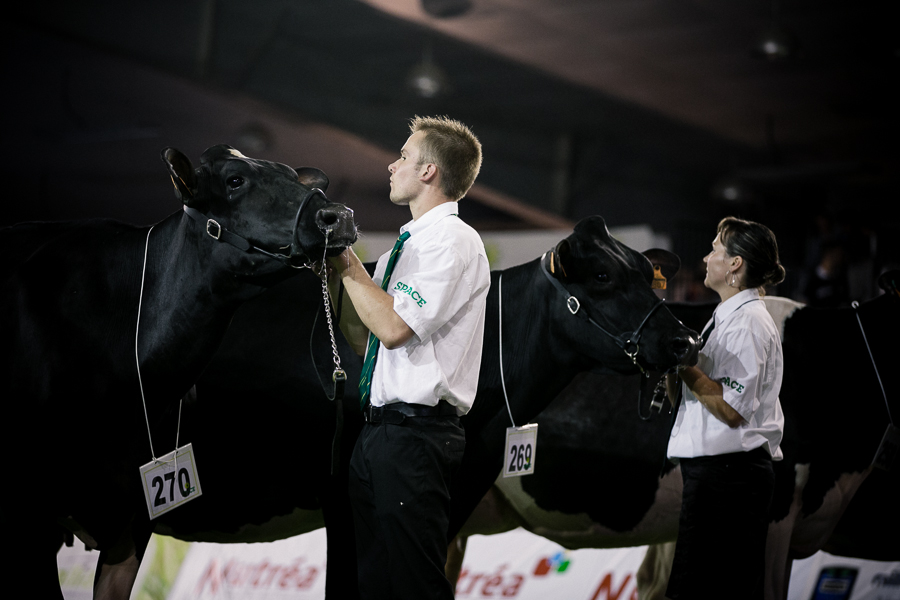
102	323
261	393
599	485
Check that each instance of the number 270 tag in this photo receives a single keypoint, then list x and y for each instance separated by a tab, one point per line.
520	445
170	481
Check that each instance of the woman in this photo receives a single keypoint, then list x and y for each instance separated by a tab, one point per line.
728	427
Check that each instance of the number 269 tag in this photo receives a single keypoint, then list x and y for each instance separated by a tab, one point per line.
170	481
520	448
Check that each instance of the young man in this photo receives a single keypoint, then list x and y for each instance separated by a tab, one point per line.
421	320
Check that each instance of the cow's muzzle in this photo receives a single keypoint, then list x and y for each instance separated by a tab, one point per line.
334	221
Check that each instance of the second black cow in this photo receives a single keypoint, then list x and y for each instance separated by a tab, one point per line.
602	488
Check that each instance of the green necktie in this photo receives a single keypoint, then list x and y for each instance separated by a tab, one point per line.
365	378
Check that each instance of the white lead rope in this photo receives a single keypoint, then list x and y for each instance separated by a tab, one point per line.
500	313
137	361
887	405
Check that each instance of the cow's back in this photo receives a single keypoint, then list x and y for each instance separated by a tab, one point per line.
66	292
39	245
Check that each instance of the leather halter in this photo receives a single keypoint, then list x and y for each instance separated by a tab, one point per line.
629	342
220	234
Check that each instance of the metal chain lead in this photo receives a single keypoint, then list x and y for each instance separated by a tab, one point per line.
327	301
326	298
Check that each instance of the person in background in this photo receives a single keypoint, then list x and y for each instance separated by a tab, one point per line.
420	321
826	284
728	423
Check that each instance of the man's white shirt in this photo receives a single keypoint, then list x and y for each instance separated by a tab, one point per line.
439	285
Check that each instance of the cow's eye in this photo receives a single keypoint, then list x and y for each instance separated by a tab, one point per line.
235	182
602	277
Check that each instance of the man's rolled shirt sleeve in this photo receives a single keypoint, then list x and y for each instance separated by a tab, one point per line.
433	291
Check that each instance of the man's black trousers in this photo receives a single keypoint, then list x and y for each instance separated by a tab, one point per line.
400	476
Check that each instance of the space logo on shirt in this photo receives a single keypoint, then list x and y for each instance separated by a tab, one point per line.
405	289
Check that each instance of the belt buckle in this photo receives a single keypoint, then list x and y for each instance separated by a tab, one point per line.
370	415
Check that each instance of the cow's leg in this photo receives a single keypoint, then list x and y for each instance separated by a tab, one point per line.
118	566
494	514
341	575
653	574
341	579
34	539
34	559
778	544
812	530
456	552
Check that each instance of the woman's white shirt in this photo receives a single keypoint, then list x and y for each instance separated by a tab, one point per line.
744	354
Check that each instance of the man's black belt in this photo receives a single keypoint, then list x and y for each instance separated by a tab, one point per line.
396	413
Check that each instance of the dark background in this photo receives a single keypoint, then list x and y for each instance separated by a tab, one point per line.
642	111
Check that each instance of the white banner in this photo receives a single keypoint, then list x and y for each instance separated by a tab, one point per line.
287	569
823	576
516	564
519	564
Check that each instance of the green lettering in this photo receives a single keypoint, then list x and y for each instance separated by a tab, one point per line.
731	383
416	296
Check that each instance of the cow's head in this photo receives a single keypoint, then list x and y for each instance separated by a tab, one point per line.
262	207
607	305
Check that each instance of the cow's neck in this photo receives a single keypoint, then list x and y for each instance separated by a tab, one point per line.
188	300
536	364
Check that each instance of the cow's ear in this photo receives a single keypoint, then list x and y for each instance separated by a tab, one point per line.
559	258
665	263
182	173
312	177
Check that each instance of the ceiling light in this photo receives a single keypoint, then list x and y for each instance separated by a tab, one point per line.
427	79
776	43
732	190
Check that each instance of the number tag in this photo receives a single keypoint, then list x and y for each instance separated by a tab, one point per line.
520	445
170	481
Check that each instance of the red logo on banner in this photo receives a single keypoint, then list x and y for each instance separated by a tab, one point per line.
557	563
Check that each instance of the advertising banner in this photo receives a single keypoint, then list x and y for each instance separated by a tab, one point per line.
287	569
823	576
516	564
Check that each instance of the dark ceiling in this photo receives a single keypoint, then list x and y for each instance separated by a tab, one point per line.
635	110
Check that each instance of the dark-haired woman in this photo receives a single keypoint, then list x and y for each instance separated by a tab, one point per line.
729	423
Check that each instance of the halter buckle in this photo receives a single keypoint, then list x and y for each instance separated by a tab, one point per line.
573	304
631	349
209	225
